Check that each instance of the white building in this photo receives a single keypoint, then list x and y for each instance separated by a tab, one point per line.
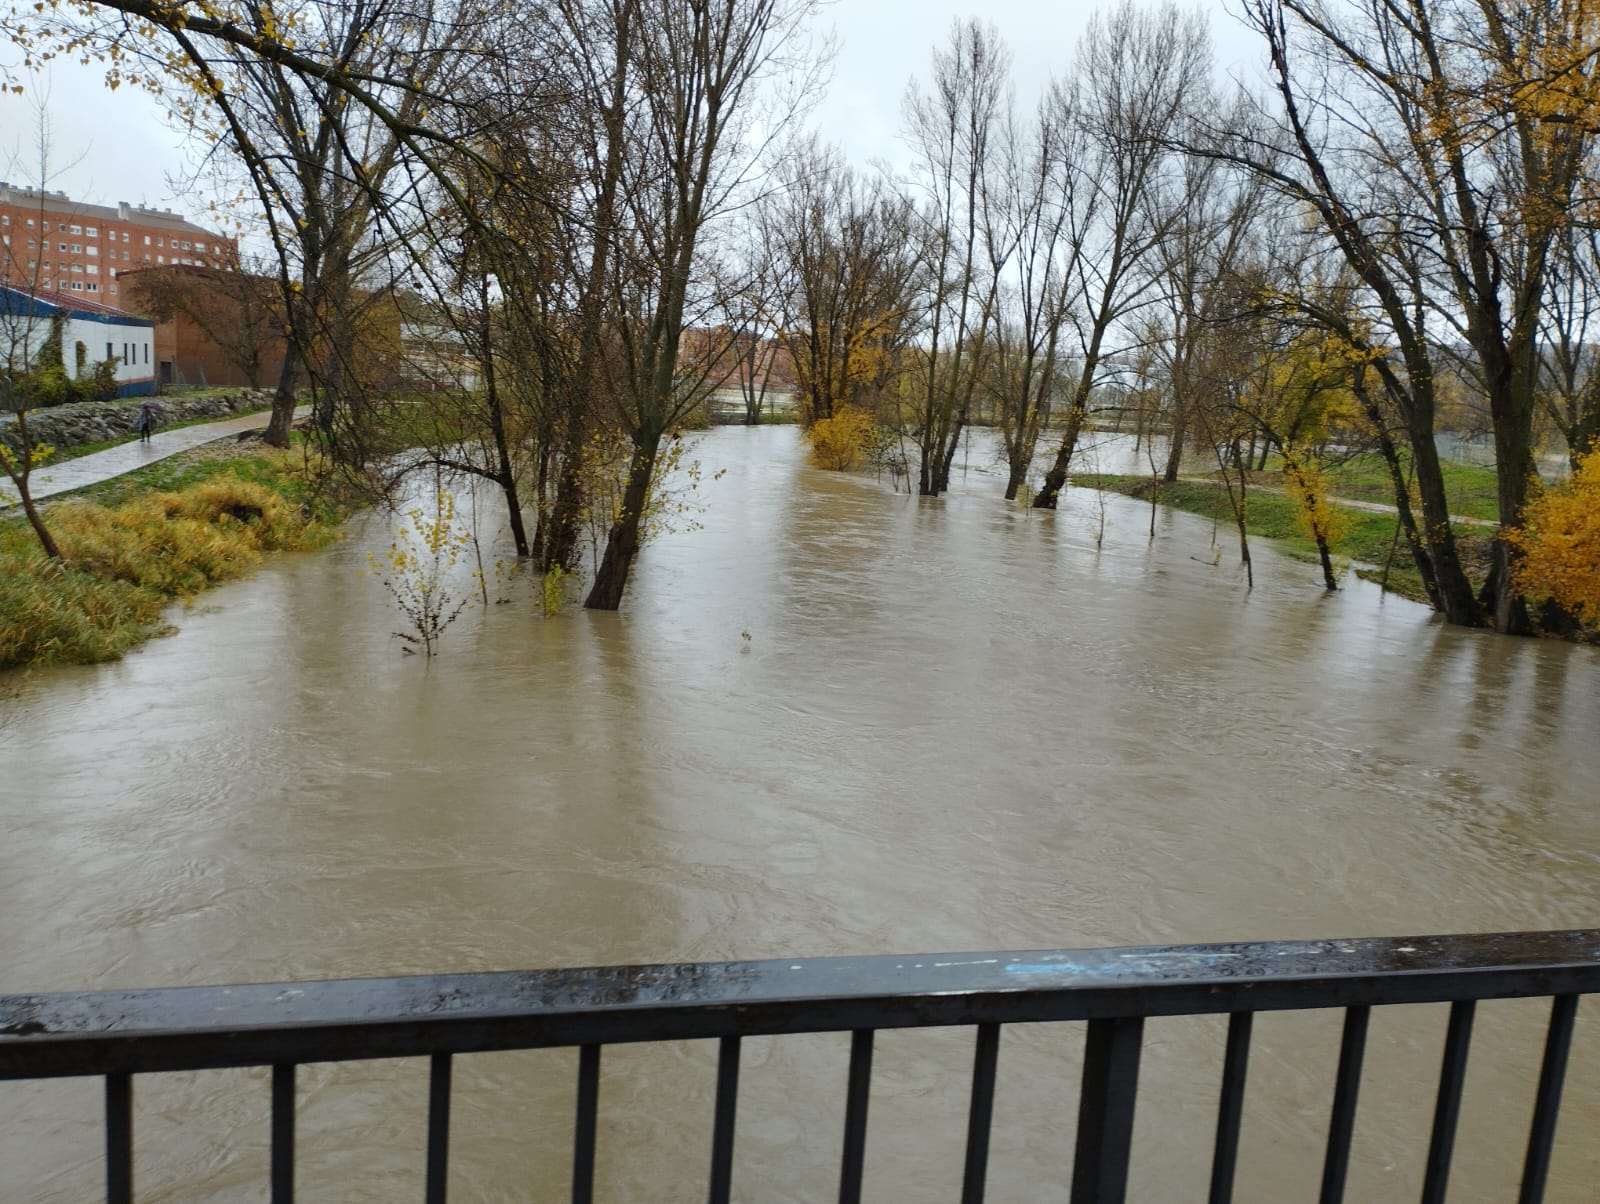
90	334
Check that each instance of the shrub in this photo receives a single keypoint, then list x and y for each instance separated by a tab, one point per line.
839	442
1560	543
123	564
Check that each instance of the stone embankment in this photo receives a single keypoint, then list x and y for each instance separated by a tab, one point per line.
100	421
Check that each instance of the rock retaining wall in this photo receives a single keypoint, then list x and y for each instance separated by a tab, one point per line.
97	421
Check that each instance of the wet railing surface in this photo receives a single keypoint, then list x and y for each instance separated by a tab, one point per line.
120	1034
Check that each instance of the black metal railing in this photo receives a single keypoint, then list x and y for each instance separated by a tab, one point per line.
120	1034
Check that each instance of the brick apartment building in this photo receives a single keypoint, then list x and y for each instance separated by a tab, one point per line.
51	243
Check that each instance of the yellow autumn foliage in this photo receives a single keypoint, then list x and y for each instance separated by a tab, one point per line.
840	442
1318	518
1559	541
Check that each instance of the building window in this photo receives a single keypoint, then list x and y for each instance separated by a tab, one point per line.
61	227
77	248
161	242
109	353
77	286
75	229
61	246
92	231
31	244
124	236
93	287
161	259
94	250
6	239
94	269
188	246
30	223
147	240
147	353
124	257
5	219
113	272
113	290
77	269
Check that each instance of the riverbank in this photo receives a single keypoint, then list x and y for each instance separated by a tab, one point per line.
1372	542
132	545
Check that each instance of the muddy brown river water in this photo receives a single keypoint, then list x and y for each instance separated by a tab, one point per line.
954	725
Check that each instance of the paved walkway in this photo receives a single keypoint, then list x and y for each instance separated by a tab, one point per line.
129	457
1379	507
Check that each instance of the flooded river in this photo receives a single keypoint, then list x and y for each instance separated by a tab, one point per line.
836	719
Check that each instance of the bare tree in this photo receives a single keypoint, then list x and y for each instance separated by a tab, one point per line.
1135	72
693	70
1569	372
844	245
952	131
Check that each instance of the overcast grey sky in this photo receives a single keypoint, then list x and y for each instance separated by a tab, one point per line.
117	146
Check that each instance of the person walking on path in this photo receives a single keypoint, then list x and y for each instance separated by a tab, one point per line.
147	420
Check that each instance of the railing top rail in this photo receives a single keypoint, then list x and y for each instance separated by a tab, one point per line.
182	1028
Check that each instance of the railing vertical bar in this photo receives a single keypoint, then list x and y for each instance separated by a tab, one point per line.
1347	1087
1230	1108
1452	1076
855	1117
985	1059
1547	1103
1105	1110
438	1128
722	1126
283	1133
584	1132
119	1139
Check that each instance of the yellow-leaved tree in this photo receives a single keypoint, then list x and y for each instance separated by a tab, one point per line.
1559	543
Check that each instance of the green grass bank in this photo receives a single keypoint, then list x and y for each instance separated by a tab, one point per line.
133	545
1371	539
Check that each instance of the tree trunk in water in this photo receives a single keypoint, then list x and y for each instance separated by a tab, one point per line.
561	541
1455	591
1328	578
622	544
507	477
1180	428
282	421
1508	609
1014	478
941	480
1402	494
1056	479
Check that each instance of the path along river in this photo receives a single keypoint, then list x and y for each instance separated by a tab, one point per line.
955	725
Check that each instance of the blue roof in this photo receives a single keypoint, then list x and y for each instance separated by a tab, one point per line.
17	302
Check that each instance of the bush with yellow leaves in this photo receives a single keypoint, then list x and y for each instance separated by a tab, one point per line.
841	441
1559	542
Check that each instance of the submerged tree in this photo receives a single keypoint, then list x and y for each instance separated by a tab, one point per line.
1137	74
687	76
845	250
952	130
